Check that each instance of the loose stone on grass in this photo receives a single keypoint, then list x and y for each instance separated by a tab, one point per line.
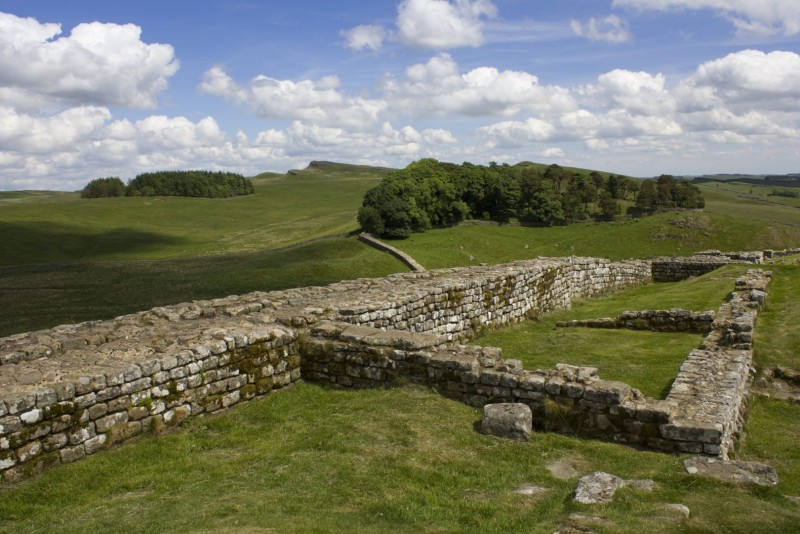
600	487
562	469
732	471
530	489
597	488
512	420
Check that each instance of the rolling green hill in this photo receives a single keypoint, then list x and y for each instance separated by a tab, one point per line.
40	227
64	259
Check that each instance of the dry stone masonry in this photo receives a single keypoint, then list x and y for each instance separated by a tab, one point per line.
67	392
674	320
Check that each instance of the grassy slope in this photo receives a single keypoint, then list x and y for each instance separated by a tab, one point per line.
42	296
61	227
663	234
208	234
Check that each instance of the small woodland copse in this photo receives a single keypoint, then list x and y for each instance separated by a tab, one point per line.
172	183
429	193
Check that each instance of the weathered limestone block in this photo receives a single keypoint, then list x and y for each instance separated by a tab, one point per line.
507	420
734	471
597	488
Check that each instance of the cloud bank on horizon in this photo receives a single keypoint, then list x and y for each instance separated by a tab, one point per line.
638	87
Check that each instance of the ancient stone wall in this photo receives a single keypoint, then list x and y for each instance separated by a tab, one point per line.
702	413
674	320
71	390
709	393
97	384
676	268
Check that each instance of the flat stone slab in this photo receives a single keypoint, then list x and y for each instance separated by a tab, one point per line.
562	469
512	420
733	471
597	488
600	487
530	489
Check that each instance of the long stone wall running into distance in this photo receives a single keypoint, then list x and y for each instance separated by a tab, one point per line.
72	390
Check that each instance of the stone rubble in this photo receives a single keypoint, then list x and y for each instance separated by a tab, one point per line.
600	487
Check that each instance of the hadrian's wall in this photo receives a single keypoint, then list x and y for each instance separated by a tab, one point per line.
72	390
702	413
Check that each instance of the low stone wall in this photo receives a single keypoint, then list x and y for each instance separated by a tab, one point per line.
111	381
709	394
702	413
71	390
676	268
674	320
397	253
566	399
456	303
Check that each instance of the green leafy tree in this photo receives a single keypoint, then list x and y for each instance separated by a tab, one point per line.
539	202
190	184
104	187
647	198
665	189
609	208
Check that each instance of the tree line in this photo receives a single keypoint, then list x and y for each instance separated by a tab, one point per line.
430	193
172	183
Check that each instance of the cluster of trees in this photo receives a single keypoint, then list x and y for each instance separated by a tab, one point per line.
104	187
430	193
784	193
172	183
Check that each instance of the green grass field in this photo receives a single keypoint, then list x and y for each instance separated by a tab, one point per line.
646	360
287	209
312	459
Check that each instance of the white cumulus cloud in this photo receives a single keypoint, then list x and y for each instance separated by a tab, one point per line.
610	29
364	36
442	24
764	17
749	78
439	88
97	64
320	101
637	92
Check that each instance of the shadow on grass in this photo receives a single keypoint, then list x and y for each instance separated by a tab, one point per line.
45	242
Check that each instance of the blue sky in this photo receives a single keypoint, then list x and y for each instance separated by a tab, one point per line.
641	87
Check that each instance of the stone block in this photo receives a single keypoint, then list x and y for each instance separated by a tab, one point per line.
532	382
105	424
507	420
607	392
698	432
71	454
94	444
653	411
